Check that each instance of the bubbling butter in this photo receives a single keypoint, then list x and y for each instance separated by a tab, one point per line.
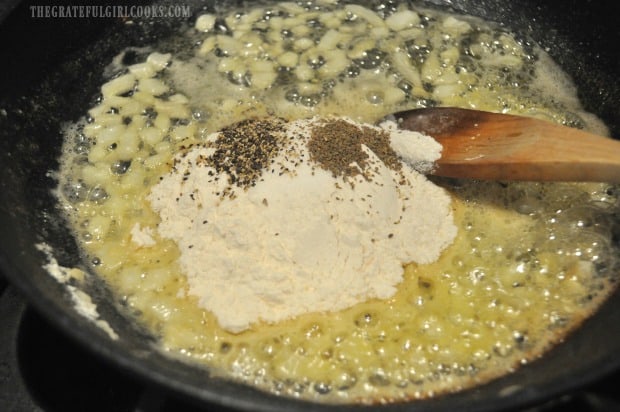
529	262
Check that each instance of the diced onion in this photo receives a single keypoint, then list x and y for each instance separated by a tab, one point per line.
402	20
119	85
205	22
159	61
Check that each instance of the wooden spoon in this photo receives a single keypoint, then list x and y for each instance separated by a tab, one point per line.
492	146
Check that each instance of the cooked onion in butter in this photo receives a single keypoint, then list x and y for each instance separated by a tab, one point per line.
530	260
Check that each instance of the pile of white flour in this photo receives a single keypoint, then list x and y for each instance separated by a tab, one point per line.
305	240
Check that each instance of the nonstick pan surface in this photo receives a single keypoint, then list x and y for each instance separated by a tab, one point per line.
51	71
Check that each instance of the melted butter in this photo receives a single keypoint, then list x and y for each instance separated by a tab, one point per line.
529	263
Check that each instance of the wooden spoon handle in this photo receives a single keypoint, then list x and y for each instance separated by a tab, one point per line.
484	145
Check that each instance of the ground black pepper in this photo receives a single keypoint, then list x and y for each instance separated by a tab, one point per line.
243	150
337	144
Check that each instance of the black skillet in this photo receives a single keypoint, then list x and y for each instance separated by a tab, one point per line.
51	68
